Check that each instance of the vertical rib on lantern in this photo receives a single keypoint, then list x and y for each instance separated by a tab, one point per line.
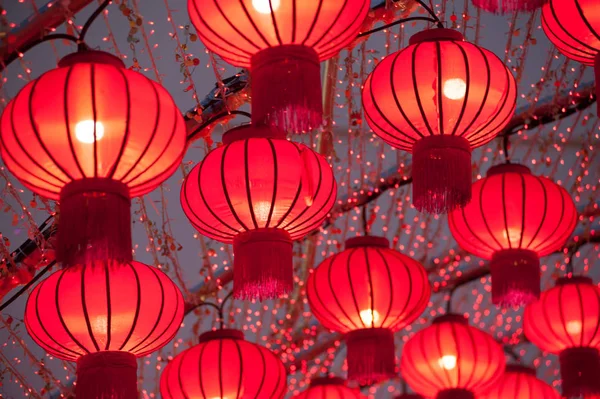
259	192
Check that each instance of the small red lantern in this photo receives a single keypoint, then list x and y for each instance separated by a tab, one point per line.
509	6
520	382
259	192
92	134
439	98
383	292
513	220
573	26
282	42
566	321
452	360
330	388
104	317
224	366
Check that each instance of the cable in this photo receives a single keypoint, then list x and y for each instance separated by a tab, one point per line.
17	53
92	18
400	21
192	136
27	286
430	11
505	147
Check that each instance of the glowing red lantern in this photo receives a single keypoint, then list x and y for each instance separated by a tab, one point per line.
439	98
259	192
520	382
104	317
92	134
573	26
282	42
566	321
451	360
513	219
509	6
383	292
224	366
330	388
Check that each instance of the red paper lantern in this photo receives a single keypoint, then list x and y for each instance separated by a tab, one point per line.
513	220
259	192
509	6
451	360
282	42
566	321
92	134
439	98
573	26
224	366
330	388
383	292
520	382
104	317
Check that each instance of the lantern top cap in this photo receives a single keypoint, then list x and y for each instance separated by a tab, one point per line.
320	381
252	131
436	34
574	280
518	368
367	241
224	333
451	318
508	168
90	57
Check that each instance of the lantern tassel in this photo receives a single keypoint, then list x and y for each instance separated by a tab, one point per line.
94	222
580	372
441	171
515	277
263	264
370	355
107	375
456	393
286	88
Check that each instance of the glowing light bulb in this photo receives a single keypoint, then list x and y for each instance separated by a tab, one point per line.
447	362
369	316
264	6
84	131
455	89
573	327
261	210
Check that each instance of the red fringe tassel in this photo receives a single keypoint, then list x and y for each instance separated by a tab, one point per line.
263	264
94	222
441	170
515	277
371	355
107	375
456	393
580	372
509	6
286	88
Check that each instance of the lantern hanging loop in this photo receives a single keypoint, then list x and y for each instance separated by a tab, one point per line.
219	308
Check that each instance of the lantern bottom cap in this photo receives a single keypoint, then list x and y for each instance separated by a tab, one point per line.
371	355
580	371
441	170
286	88
515	277
263	264
455	393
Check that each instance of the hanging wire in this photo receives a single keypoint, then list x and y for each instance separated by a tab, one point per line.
27	286
92	18
449	303
191	136
398	22
365	222
430	11
218	308
506	147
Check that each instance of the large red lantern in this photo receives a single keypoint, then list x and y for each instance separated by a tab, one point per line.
566	321
330	388
573	26
224	366
92	134
282	42
513	219
509	6
520	382
259	192
452	360
104	317
368	291
439	98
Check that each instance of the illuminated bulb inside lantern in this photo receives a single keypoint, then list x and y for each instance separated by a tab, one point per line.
261	210
455	89
369	316
84	131
573	327
264	6
447	362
